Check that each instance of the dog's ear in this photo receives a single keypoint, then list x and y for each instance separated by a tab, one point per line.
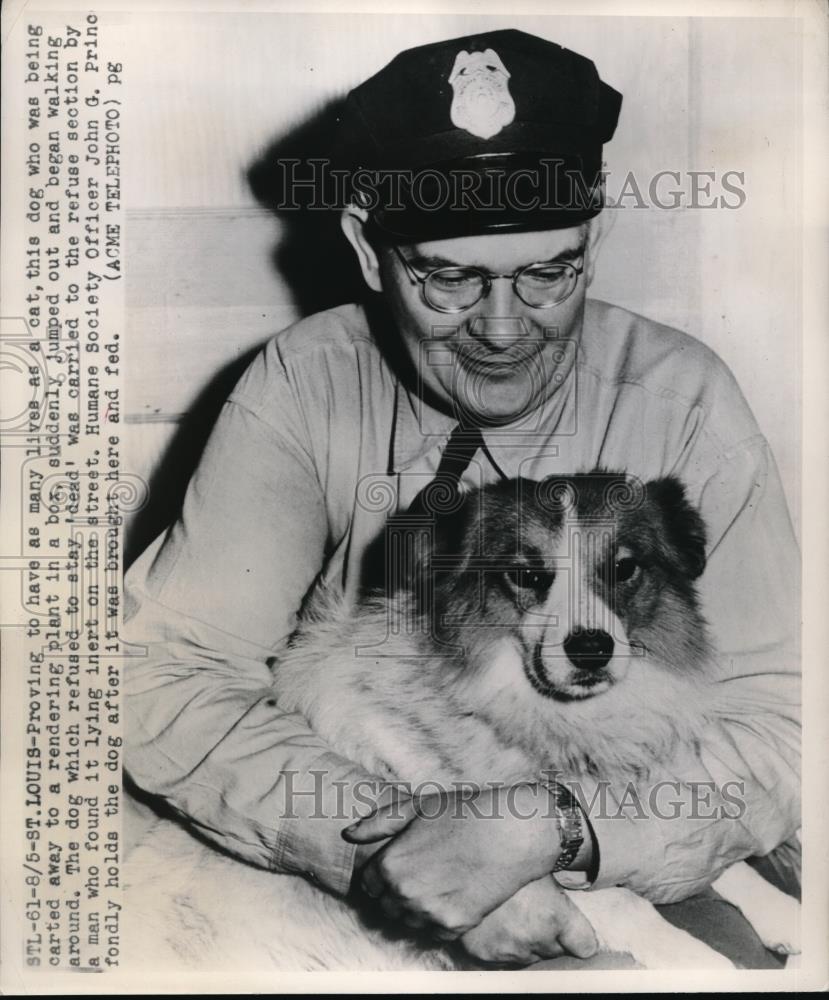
684	528
412	553
442	547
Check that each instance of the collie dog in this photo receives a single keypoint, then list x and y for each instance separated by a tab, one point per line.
537	626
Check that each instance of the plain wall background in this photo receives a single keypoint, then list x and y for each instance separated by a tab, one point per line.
209	268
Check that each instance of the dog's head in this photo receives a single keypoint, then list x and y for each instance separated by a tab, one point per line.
585	576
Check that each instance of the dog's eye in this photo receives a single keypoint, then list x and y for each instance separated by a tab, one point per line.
530	579
625	569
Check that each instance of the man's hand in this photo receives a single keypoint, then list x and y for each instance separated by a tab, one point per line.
390	795
455	858
538	922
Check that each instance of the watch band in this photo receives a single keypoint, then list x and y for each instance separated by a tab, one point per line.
570	825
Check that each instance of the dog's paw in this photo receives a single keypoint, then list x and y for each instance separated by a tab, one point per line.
774	916
779	929
628	923
678	949
657	944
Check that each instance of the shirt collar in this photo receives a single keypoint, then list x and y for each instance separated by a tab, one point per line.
418	428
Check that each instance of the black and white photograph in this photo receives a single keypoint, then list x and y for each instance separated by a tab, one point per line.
411	469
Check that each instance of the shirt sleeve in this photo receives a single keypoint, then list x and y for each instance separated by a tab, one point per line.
740	795
208	606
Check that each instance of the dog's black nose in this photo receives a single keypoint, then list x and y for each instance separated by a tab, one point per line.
589	648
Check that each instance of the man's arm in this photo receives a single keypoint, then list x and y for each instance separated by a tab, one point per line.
212	603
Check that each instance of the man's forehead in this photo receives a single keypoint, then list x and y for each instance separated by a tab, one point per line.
502	250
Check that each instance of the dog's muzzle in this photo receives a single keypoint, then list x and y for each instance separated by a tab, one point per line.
577	669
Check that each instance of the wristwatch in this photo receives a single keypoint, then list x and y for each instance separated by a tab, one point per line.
570	825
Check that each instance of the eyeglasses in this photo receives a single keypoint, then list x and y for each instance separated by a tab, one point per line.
454	289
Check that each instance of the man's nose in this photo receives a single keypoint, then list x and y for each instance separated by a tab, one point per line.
498	324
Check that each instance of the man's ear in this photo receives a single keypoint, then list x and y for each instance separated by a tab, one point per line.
353	221
598	229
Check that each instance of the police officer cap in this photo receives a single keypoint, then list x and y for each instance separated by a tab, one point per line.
496	132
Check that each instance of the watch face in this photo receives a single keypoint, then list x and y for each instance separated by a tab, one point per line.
569	826
565	859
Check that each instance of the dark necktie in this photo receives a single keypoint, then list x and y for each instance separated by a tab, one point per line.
388	562
442	494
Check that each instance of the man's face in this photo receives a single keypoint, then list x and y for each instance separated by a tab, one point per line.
499	359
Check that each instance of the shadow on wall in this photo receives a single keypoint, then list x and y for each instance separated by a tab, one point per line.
177	464
312	255
314	261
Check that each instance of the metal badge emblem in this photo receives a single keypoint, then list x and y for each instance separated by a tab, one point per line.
482	104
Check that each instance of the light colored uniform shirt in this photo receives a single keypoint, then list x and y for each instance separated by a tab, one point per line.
316	446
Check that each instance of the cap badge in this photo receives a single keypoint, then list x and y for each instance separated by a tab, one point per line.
482	104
